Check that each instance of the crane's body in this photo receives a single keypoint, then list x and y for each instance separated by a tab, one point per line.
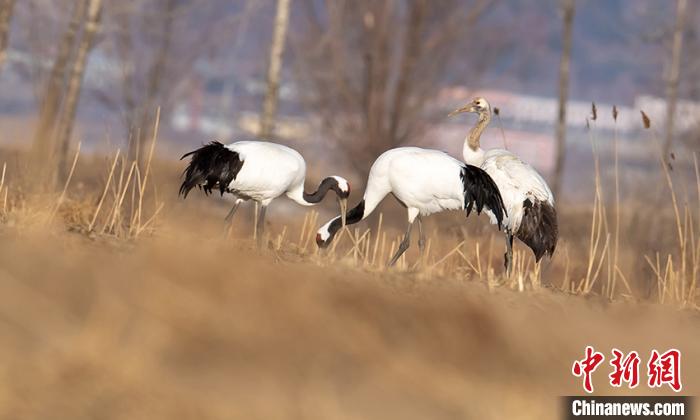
263	159
531	216
253	180
258	171
424	181
517	181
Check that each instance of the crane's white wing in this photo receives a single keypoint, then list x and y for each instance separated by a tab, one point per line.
269	170
426	179
516	178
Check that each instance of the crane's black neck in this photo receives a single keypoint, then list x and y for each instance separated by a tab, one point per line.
323	188
353	216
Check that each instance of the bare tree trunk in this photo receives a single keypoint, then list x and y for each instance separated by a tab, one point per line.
155	76
564	65
374	66
43	145
411	51
6	8
65	126
377	56
273	71
125	47
674	74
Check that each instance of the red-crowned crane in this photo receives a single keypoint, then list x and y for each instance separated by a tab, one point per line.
424	181
258	171
528	200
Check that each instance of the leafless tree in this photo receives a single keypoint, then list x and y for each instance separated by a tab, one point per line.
564	64
157	43
273	73
674	74
44	145
6	8
371	68
144	72
65	125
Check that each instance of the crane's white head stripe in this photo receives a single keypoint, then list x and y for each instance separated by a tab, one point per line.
324	234
343	183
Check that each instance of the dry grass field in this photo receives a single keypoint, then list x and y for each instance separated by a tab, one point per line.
117	300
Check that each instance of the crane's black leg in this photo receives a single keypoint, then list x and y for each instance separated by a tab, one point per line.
421	240
509	252
260	225
403	246
256	214
421	236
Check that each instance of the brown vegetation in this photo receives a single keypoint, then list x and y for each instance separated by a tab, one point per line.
188	325
120	303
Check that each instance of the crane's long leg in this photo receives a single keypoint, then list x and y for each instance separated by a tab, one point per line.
233	210
260	226
413	214
509	252
421	242
421	236
255	220
403	246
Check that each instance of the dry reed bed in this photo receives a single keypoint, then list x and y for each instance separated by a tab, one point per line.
127	206
607	264
189	324
171	330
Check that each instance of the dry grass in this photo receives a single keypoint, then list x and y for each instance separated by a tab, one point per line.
599	253
118	303
123	204
676	271
170	329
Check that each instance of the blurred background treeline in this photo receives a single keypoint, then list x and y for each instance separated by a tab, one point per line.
346	80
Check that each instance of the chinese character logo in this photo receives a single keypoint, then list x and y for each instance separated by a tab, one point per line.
587	366
624	369
665	369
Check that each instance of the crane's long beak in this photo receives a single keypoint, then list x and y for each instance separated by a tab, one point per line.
343	202
466	108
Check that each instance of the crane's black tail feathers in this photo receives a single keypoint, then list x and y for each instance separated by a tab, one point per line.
481	191
211	165
538	228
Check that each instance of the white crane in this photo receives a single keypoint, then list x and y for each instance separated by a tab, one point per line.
424	181
528	200
258	171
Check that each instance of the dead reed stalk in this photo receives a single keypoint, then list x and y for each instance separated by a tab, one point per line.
65	185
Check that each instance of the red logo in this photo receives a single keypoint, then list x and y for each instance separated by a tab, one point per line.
625	369
587	366
665	369
662	368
